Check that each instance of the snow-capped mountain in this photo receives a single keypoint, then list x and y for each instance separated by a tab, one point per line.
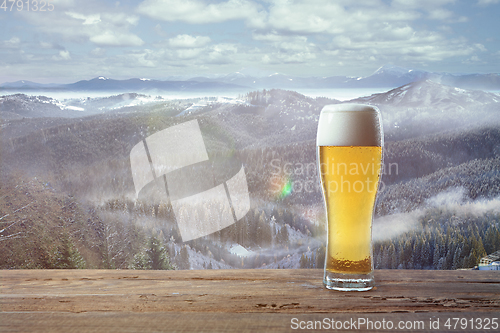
20	106
393	76
431	94
23	106
102	83
101	104
387	76
139	85
426	107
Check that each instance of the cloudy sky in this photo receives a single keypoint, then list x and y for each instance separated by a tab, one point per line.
81	39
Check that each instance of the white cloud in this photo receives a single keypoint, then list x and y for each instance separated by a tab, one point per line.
113	38
302	17
102	28
297	57
187	41
120	19
98	52
87	19
434	8
45	45
440	14
268	36
420	47
287	49
63	3
368	31
159	31
480	47
222	54
12	43
358	35
193	58
198	12
487	2
187	54
142	59
63	55
266	59
307	18
474	59
50	45
422	3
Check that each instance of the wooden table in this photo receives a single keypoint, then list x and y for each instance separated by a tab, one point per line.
242	301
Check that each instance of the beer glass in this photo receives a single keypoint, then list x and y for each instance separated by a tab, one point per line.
349	154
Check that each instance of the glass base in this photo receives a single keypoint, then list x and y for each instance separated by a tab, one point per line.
348	282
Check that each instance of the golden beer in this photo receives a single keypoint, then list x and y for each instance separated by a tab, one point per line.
350	161
349	177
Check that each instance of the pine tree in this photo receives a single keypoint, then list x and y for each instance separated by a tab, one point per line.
153	257
457	259
66	256
304	261
182	259
264	233
437	256
282	236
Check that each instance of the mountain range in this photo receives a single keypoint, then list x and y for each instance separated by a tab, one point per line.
429	93
411	110
387	76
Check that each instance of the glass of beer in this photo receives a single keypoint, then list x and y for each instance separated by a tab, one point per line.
349	142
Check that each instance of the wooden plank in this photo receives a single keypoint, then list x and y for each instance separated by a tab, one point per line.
242	298
122	322
288	291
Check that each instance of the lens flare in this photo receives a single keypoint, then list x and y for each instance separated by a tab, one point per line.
281	186
287	189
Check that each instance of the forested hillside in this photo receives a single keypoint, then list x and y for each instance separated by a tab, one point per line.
68	199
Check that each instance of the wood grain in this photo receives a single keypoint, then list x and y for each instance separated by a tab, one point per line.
236	298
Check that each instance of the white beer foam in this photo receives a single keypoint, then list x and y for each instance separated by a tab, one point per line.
350	125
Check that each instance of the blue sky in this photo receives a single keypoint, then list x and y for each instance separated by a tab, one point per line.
167	38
